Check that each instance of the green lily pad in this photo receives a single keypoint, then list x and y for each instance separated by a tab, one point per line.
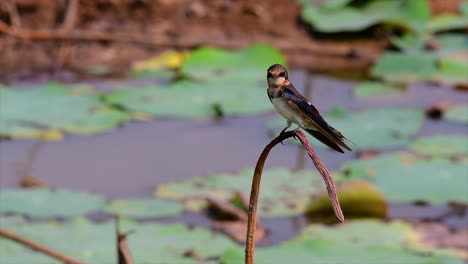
46	203
398	67
176	243
452	72
210	72
410	15
350	243
457	113
436	182
96	242
441	145
187	99
370	129
405	178
451	42
368	169
144	208
358	199
27	113
283	193
445	22
366	89
250	63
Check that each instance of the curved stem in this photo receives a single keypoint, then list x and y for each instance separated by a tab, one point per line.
252	214
252	218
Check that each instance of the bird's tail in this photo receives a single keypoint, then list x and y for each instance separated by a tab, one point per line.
336	141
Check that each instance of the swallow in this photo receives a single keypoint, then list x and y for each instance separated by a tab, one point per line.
296	109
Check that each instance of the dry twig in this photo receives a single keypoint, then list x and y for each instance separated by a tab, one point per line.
38	247
252	216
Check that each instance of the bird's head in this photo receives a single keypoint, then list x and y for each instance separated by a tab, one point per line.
277	75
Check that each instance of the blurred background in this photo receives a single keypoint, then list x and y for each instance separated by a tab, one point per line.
156	111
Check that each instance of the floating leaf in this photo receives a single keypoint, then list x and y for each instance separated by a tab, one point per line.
451	45
436	182
389	127
452	72
211	72
457	113
366	89
161	66
167	60
398	67
445	22
283	193
370	168
350	243
144	208
46	203
96	243
246	64
441	145
102	119
411	15
186	99
405	178
357	199
27	113
176	244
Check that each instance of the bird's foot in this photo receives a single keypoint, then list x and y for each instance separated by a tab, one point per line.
294	133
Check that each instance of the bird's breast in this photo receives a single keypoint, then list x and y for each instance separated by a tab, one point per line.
286	111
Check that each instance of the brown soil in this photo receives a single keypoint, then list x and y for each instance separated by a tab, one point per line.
50	36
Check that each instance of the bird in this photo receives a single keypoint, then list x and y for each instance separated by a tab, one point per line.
289	103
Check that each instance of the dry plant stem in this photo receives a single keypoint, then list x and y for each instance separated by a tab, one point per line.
38	247
326	175
252	214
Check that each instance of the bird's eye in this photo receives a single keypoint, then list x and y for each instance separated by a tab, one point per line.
269	75
282	74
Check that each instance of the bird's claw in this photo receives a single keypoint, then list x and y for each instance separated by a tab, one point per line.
294	133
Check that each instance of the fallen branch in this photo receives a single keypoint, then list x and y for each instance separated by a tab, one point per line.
38	247
252	215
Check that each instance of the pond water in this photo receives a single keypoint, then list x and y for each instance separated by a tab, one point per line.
132	160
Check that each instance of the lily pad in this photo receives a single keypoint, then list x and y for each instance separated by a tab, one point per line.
370	129
26	113
283	193
350	243
436	182
141	208
187	99
368	169
47	203
209	72
358	199
403	68
451	43
176	244
457	113
410	15
405	178
445	22
441	145
250	63
452	72
366	89
161	66
96	242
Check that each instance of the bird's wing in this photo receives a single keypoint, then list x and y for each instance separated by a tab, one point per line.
325	133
